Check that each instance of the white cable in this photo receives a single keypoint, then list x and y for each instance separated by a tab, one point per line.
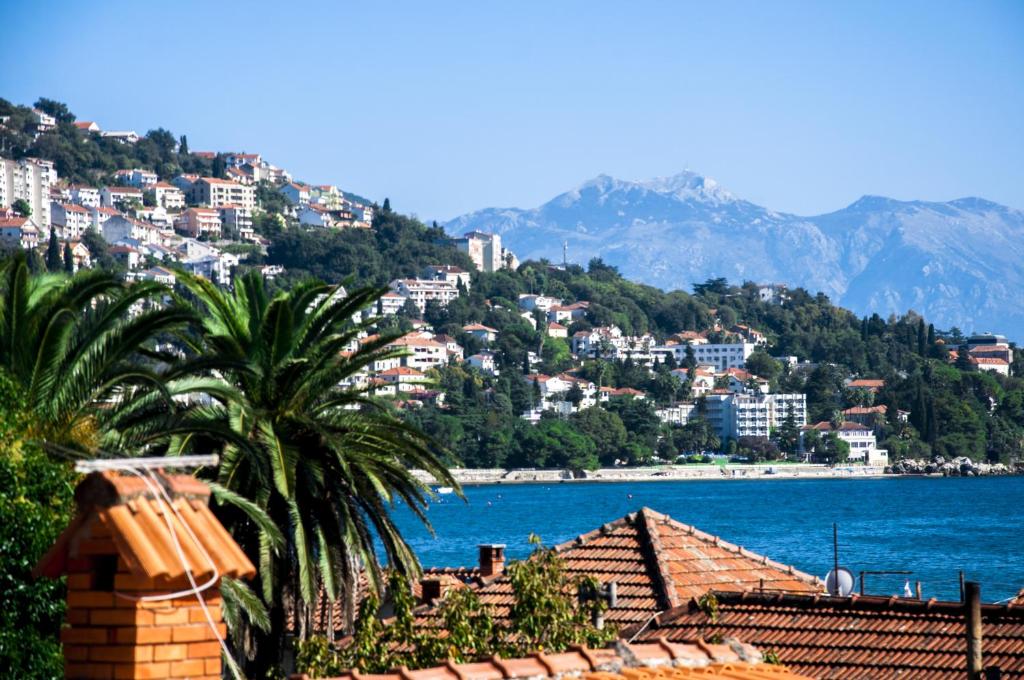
161	497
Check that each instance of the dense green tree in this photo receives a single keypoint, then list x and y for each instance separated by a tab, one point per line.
54	261
22	207
69	259
603	428
301	444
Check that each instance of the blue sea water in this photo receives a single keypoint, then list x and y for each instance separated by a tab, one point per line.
934	527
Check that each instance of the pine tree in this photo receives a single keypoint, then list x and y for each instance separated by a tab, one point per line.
69	259
933	426
963	358
54	261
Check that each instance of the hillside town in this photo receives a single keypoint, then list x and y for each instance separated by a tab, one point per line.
150	227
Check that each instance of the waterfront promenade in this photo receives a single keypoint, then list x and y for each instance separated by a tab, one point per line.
663	473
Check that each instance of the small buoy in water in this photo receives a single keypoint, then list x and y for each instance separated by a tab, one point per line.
629	496
488	504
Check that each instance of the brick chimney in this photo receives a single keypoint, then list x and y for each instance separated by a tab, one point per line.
431	589
119	555
492	559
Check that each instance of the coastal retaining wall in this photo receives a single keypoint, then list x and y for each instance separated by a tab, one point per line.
653	474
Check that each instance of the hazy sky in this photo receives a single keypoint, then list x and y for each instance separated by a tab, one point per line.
446	108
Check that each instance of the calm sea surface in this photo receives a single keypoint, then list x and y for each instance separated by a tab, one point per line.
931	526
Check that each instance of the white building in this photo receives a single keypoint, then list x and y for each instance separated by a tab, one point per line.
421	352
168	196
140	179
721	356
483	362
677	414
530	302
481	332
861	438
30	180
446	272
485	251
391	303
237	219
420	291
70	220
87	197
752	415
18	232
296	194
123	136
214	192
115	197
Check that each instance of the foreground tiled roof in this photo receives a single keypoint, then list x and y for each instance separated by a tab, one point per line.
657	563
855	637
121	509
653	661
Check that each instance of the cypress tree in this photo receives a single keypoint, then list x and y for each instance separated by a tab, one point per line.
183	145
54	261
921	336
387	205
69	259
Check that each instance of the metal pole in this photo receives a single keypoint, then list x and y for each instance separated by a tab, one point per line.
862	583
972	611
962	593
835	554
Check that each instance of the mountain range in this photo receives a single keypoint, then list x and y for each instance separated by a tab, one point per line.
959	263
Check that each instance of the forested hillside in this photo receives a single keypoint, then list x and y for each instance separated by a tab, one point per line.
953	411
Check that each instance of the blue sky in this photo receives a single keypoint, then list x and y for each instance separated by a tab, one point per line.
446	108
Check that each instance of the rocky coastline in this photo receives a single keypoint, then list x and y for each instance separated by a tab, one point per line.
956	467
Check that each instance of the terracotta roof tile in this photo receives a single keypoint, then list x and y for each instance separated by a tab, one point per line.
659	660
854	637
138	524
657	563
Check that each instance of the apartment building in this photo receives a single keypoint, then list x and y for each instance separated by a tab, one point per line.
214	193
238	220
421	352
30	180
115	197
196	222
722	356
485	250
87	197
168	196
70	220
420	291
733	416
296	194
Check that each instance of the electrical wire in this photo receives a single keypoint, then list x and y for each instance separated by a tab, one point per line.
167	506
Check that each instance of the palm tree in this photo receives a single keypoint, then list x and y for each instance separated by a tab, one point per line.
81	349
323	461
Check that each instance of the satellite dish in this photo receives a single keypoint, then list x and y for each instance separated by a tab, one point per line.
839	582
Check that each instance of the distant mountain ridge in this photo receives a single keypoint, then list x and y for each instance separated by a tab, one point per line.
960	263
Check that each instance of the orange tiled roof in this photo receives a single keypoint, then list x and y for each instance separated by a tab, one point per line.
867	383
652	661
865	410
123	506
657	563
855	637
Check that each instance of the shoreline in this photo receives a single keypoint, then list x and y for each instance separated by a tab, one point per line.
498	476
